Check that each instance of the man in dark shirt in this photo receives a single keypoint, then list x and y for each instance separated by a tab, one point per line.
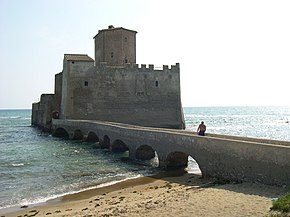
201	129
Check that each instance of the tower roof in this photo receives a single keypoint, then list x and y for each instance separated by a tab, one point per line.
112	28
78	57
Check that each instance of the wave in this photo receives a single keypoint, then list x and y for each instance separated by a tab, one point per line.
18	165
11	117
15	117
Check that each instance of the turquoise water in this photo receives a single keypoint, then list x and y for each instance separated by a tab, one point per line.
35	167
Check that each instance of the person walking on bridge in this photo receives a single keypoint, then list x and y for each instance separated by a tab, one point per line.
201	129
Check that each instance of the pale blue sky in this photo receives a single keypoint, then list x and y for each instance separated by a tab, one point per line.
230	52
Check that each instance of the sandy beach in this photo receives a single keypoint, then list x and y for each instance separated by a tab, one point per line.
185	195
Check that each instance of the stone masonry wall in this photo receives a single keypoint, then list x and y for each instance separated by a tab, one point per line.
130	94
72	71
42	112
115	46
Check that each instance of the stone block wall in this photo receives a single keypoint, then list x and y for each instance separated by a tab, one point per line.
130	94
42	112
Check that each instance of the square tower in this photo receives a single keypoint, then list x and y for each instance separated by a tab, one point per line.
115	46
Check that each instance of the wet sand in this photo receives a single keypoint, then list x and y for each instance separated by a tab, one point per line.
163	195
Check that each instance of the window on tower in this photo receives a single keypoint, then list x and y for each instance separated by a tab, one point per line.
112	54
156	83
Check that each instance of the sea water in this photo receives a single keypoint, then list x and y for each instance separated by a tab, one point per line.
269	122
36	167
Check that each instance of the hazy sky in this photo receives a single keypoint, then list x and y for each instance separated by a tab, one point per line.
230	52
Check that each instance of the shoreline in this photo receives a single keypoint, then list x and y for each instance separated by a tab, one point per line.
165	194
73	196
94	190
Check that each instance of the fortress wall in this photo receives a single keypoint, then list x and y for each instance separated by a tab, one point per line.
78	68
99	54
72	70
58	91
131	94
35	114
42	112
47	106
65	103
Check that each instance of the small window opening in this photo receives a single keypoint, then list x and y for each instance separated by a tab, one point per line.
156	83
86	83
125	39
126	60
73	62
112	54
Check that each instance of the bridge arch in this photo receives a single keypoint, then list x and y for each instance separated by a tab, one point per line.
193	166
105	142
145	152
176	159
226	157
92	137
78	135
119	146
61	133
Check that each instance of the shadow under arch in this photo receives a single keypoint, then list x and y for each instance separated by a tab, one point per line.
176	160
119	146
105	143
61	133
181	160
92	137
78	135
145	152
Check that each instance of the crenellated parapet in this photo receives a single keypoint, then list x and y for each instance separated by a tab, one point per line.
103	66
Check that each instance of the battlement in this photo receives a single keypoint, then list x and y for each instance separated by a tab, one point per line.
141	67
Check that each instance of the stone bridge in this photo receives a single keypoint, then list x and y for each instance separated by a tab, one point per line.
226	157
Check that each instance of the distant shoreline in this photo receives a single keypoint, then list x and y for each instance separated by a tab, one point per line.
212	106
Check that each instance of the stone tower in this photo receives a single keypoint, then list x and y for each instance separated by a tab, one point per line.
115	46
113	87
